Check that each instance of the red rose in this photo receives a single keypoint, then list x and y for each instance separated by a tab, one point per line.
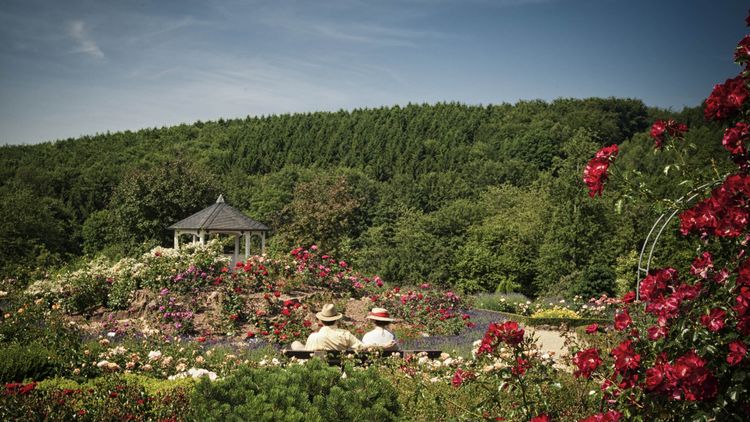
742	52
277	293
629	297
591	329
735	137
587	361
701	265
661	128
656	332
625	356
725	99
460	376
595	174
610	416
607	153
540	418
737	351
622	320
201	339
714	321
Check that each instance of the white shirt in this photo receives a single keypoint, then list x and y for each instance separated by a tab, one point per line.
330	338
379	337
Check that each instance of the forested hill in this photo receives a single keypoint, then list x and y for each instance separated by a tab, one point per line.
472	196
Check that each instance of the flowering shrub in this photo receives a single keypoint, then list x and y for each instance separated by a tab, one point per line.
683	349
281	321
428	308
174	314
556	313
320	270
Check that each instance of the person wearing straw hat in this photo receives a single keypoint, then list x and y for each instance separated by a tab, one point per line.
380	337
329	337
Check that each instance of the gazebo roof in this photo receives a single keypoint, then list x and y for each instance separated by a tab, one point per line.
219	217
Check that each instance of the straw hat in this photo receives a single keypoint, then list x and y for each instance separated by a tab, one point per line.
380	314
328	313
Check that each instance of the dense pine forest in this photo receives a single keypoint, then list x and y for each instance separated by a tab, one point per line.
477	198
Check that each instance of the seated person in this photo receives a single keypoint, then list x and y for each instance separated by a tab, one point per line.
329	337
380	337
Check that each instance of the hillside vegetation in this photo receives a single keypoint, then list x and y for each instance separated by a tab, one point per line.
478	198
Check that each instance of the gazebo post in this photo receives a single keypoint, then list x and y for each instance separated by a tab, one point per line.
236	247
177	239
262	243
203	237
247	245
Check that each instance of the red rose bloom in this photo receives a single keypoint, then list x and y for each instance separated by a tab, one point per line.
694	381
735	137
625	356
714	321
725	99
587	361
661	128
461	376
540	418
629	297
591	329
595	173
622	320
737	351
742	52
701	265
610	416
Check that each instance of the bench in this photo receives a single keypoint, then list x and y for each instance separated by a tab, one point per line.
334	356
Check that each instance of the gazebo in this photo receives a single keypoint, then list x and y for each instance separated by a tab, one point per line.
221	218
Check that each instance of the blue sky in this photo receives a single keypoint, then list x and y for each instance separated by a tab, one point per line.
69	68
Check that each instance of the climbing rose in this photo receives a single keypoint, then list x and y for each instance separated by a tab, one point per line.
725	99
714	321
587	361
737	351
694	380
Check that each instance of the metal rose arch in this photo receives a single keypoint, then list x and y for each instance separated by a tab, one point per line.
685	199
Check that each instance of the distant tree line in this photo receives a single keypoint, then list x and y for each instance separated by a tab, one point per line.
477	198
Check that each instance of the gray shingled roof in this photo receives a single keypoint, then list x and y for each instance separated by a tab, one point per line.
219	216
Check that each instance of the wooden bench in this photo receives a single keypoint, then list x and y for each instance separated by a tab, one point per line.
333	357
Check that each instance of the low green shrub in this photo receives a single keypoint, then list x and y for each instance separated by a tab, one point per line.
570	322
31	361
562	313
110	398
310	392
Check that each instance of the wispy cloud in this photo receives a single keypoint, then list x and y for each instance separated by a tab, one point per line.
85	44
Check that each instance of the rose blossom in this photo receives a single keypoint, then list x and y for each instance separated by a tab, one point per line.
587	361
622	320
737	351
714	321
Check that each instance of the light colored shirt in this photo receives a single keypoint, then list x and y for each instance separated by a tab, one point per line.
331	338
380	337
